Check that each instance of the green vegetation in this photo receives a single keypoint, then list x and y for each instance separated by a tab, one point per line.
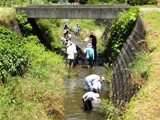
139	69
51	30
39	94
144	73
14	56
146	104
32	86
88	26
111	112
11	3
25	27
119	33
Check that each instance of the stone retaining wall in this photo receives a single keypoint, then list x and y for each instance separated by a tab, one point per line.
121	82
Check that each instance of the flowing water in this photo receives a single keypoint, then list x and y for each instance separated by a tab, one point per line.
75	88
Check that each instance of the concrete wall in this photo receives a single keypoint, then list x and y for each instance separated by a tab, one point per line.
73	11
122	86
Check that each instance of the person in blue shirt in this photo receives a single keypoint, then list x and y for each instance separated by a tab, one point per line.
89	53
77	30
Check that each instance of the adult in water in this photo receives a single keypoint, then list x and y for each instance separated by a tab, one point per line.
87	99
90	79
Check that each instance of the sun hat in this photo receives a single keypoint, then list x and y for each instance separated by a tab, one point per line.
89	45
102	78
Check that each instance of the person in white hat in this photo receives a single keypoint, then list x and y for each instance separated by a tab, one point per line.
87	100
70	53
89	53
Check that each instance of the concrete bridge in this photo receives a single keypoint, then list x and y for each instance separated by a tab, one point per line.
73	11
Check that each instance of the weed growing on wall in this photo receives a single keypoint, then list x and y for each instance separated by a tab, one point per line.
139	69
111	112
119	33
25	27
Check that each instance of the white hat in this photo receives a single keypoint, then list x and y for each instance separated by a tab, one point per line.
102	77
89	45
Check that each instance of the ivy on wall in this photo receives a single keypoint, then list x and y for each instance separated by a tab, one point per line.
119	33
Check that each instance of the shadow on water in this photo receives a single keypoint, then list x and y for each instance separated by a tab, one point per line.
75	88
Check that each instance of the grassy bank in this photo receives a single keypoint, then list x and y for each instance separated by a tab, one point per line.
88	26
38	93
146	104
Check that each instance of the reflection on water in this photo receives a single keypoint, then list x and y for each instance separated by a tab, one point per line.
75	88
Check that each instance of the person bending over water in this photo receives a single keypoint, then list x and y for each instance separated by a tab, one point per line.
90	79
87	99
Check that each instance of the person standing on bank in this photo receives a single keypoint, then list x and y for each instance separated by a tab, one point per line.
77	30
90	79
87	99
94	45
89	53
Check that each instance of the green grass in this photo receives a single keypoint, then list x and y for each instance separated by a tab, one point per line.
88	26
146	104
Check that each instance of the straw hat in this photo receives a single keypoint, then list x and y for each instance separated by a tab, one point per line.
89	45
102	78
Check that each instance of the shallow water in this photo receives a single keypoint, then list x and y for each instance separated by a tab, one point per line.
75	88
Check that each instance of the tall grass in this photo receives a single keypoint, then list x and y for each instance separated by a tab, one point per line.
139	69
38	95
146	104
88	26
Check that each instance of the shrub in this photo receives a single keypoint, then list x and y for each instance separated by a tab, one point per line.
25	27
119	33
83	1
13	54
140	2
39	94
50	29
111	112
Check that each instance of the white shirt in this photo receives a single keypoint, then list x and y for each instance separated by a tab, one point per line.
63	39
92	78
97	85
70	35
70	52
74	47
90	95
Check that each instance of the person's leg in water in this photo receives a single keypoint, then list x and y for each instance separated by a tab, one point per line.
95	53
89	85
89	103
86	107
90	60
